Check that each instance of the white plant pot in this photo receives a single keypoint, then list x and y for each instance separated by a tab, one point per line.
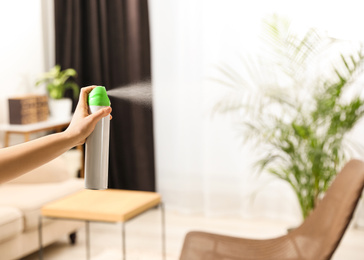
60	108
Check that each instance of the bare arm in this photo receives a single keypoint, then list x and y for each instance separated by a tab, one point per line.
19	159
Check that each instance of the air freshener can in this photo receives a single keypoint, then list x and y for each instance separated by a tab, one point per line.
97	144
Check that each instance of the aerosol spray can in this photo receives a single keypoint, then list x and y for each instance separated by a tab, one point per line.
97	144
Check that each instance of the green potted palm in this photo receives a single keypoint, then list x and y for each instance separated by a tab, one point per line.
304	108
57	81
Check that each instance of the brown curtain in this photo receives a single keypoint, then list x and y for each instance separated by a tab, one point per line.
107	42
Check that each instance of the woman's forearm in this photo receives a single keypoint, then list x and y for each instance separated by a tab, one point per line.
19	159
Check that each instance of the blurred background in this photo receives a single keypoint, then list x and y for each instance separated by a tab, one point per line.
166	52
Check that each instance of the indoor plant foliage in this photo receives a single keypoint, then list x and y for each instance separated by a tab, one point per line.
294	105
58	81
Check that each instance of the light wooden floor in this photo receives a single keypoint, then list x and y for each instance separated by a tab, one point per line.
143	237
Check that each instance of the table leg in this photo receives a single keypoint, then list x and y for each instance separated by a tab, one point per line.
40	238
82	170
6	141
163	231
88	240
123	241
26	137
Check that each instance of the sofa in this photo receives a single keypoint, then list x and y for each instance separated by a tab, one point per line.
20	202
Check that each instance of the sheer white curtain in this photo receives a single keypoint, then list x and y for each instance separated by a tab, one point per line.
202	167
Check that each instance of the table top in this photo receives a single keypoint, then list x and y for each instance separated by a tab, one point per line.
102	205
51	122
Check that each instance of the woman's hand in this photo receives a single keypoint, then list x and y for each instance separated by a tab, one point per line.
83	123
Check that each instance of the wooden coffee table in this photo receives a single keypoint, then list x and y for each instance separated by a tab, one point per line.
102	206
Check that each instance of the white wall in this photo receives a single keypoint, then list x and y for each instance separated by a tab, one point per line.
24	47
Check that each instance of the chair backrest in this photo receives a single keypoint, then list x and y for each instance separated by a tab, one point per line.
320	234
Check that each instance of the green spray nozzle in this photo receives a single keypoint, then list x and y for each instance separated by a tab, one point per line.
98	97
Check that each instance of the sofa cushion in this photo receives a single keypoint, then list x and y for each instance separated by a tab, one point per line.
53	171
11	222
29	198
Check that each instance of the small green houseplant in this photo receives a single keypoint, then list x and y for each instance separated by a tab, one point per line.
301	114
57	81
